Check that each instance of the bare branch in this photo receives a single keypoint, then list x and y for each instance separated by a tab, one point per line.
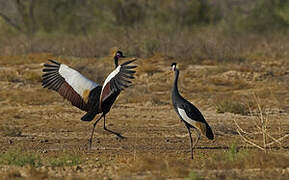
261	123
278	140
245	139
8	21
31	15
250	142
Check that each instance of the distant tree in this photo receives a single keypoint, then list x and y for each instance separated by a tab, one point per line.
24	10
268	15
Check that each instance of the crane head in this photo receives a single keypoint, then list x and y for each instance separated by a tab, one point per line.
118	55
174	66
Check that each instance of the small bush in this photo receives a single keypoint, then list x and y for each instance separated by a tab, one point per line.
19	158
232	107
11	131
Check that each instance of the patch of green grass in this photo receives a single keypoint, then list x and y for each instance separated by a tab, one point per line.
234	153
193	176
233	156
19	158
232	107
65	160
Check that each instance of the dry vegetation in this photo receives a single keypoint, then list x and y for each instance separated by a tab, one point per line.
230	54
42	136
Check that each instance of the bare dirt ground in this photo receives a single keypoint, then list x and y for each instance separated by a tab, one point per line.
36	121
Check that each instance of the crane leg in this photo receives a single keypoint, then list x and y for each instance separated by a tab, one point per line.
198	137
94	124
104	127
191	140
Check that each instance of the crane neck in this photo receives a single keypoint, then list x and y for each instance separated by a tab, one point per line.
116	61
175	87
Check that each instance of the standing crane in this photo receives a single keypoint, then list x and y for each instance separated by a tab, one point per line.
85	94
189	114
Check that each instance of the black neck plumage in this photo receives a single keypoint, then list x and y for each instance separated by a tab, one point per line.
175	87
116	61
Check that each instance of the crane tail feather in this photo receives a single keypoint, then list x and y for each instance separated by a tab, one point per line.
89	116
209	132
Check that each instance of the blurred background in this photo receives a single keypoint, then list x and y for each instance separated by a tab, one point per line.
194	30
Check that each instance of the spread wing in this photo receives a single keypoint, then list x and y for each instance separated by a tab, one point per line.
118	79
70	84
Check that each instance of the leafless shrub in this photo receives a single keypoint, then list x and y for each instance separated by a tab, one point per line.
261	127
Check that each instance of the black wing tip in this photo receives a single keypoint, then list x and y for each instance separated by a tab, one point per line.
51	66
129	67
129	71
49	70
128	62
54	62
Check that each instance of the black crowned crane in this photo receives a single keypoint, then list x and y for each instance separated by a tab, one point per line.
189	114
86	94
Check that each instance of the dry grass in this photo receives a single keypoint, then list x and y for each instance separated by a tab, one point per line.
156	166
150	65
25	59
248	160
11	131
157	144
32	96
232	107
32	76
36	174
12	174
10	75
262	122
165	167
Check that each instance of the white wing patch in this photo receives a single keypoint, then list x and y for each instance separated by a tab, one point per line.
76	80
186	118
110	76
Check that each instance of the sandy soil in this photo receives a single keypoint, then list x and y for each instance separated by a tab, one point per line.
156	144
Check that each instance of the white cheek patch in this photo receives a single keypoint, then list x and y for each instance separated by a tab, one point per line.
76	80
186	118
